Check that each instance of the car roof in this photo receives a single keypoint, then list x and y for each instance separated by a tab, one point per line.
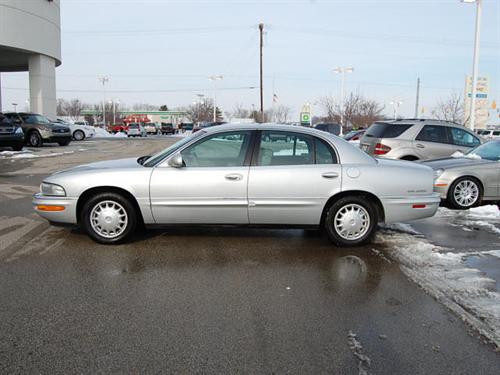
265	126
414	121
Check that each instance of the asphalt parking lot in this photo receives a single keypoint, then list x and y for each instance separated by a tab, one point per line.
216	300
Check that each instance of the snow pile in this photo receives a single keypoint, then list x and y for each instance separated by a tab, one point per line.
485	217
466	291
28	154
101	133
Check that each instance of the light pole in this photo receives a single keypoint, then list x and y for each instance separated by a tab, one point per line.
475	61
342	71
114	103
103	80
214	79
15	106
396	104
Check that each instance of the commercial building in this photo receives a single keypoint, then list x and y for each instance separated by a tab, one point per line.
30	40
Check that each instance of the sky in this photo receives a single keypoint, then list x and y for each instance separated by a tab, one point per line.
161	52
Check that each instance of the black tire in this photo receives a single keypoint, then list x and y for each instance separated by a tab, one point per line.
367	230
34	139
18	147
64	143
128	207
453	198
78	135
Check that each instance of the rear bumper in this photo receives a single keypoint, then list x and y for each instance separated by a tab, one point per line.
399	209
67	216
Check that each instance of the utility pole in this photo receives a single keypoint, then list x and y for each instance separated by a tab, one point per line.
261	30
342	71
103	80
418	98
214	79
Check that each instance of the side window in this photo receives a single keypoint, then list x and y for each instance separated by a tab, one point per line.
324	153
461	137
219	150
433	133
285	148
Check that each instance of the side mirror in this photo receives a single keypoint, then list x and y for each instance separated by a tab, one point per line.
176	161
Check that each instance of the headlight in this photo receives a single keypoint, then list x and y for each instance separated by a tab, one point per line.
438	173
52	189
19	130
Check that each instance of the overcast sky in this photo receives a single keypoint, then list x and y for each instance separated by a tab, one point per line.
161	52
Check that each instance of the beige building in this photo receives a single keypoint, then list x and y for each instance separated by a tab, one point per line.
30	40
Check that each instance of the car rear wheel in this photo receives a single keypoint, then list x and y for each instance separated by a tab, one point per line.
464	193
34	139
351	221
108	218
64	143
78	135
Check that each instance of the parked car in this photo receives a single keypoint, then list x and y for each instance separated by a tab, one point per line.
468	180
11	135
39	129
354	136
417	139
329	127
150	128
136	130
78	131
205	125
118	128
186	126
230	174
488	133
167	128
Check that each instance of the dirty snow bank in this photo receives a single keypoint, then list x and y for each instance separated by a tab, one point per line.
465	291
28	154
486	217
101	133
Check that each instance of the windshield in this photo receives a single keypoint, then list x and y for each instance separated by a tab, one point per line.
155	159
488	151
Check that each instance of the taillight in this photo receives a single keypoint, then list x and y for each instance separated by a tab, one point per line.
381	149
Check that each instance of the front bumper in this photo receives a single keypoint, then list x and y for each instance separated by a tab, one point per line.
67	215
399	209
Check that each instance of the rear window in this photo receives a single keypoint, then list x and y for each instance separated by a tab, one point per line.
133	126
385	130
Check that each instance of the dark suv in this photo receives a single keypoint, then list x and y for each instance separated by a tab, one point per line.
167	128
39	129
11	135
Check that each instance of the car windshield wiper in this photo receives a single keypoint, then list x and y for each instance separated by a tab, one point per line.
142	159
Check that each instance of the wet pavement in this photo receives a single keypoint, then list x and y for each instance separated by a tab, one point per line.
214	300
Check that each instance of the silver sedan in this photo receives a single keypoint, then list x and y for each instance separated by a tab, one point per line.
256	174
467	180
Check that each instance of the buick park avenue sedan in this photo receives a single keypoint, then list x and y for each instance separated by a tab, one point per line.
255	174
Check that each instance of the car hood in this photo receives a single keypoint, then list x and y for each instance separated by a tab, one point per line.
447	163
103	165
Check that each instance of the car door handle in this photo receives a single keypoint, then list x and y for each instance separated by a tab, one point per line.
234	177
330	175
419	145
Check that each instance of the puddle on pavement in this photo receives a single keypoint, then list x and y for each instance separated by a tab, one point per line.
488	264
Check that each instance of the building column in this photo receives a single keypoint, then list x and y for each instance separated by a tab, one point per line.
42	77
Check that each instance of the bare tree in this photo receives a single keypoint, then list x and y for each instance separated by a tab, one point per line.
358	111
450	109
279	113
203	111
71	108
144	107
240	112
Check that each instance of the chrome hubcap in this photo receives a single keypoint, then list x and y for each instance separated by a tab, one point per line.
34	139
108	219
466	193
352	222
78	135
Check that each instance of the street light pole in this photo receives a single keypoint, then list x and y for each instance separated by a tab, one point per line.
15	106
103	80
342	71
475	62
396	104
214	79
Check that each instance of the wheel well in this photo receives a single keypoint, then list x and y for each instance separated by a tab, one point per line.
409	158
107	189
357	193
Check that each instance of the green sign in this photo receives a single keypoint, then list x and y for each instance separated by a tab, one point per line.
305	117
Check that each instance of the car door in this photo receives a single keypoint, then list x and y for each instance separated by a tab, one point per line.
211	187
432	142
462	140
291	178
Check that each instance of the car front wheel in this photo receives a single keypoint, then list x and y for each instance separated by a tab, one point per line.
108	218
79	135
464	193
351	221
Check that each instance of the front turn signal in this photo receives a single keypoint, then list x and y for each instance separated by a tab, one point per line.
43	207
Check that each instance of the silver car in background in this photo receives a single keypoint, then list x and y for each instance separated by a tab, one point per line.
417	139
255	174
466	181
